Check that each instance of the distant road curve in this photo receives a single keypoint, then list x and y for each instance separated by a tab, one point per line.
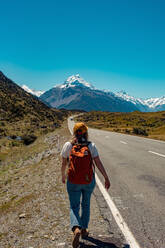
136	167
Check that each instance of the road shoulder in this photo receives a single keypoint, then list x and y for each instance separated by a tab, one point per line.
34	204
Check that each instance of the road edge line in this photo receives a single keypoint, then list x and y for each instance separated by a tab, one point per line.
117	216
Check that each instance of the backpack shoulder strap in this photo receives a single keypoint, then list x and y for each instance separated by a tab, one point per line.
93	165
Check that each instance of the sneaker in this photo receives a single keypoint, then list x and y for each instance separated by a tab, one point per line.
84	233
76	237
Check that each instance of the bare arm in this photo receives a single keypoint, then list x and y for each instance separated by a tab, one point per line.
63	168
102	170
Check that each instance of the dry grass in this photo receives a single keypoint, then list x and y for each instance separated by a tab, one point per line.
13	203
151	125
36	190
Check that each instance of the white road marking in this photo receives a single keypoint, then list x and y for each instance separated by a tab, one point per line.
117	216
160	141
125	143
70	129
162	155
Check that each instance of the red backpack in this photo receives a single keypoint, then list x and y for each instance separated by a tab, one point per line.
80	164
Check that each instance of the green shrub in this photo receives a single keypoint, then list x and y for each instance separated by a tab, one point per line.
14	143
2	124
127	131
28	139
139	131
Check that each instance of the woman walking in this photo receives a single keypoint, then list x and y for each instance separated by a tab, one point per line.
80	155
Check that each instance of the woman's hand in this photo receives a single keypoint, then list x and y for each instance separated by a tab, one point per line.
63	178
103	172
63	167
107	183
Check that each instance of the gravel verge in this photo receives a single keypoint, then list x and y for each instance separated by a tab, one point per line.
34	206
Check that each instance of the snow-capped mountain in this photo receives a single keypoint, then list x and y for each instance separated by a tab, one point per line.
76	93
33	92
138	102
73	81
157	104
146	105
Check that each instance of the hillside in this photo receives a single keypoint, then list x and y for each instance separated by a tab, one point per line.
150	125
23	114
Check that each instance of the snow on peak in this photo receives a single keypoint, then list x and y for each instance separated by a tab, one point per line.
129	98
75	80
33	92
126	97
153	102
122	92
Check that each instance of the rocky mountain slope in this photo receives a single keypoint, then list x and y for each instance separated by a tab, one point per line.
22	113
76	93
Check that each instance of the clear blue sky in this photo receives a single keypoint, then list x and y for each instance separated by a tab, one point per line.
114	44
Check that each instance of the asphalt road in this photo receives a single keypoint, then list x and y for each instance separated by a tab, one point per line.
136	167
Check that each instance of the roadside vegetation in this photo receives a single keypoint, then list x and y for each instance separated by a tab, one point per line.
33	212
19	158
23	132
17	134
151	125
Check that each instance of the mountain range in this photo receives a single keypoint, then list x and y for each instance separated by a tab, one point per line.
76	93
146	105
